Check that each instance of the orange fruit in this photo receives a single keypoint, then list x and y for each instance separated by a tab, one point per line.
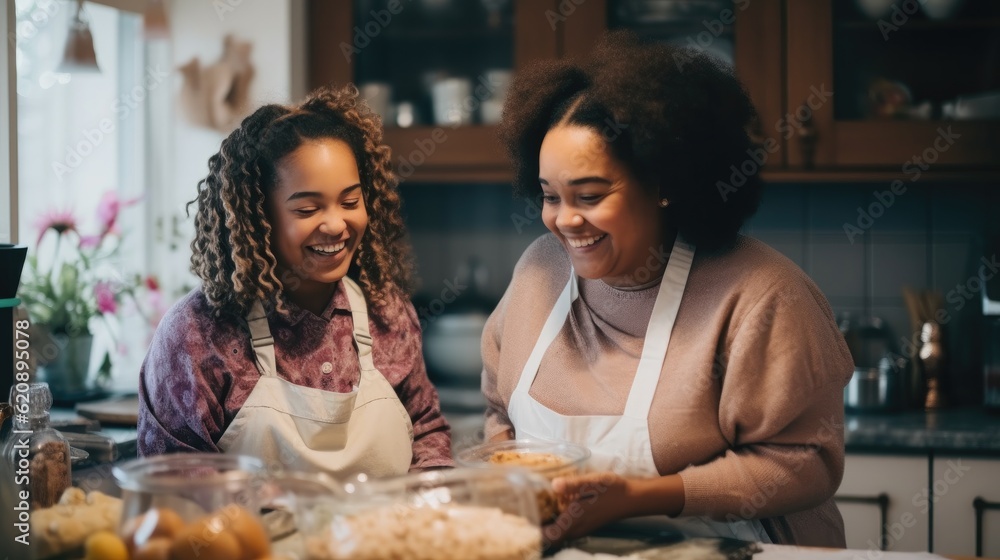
206	538
154	549
253	539
105	545
157	522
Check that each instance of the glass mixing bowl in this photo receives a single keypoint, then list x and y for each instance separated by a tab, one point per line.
460	514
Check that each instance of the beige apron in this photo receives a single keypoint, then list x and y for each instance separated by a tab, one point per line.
621	443
300	428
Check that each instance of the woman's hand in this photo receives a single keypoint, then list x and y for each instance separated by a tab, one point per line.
588	502
591	501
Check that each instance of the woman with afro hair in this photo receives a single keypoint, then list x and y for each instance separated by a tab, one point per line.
300	346
703	369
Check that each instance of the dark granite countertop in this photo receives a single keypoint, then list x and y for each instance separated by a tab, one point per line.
972	431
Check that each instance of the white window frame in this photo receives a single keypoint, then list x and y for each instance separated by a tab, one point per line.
8	126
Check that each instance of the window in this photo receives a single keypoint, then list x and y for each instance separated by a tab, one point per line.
80	135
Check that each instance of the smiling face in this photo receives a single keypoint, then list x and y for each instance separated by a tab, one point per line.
608	223
318	217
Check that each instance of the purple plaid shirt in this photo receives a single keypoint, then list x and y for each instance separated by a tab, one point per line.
200	370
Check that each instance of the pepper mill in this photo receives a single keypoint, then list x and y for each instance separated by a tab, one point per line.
808	137
932	359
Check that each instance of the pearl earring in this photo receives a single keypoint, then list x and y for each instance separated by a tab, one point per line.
664	202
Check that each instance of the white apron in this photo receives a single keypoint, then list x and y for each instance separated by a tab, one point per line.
621	443
300	428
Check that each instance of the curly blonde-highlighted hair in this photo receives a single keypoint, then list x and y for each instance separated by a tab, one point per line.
231	251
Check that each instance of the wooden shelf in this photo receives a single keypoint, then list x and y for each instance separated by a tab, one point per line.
504	33
872	175
448	154
924	25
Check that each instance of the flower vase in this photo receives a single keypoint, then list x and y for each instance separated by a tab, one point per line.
66	372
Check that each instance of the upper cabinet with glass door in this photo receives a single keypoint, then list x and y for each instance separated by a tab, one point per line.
435	70
744	33
845	89
907	85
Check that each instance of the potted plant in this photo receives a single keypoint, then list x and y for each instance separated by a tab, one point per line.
69	285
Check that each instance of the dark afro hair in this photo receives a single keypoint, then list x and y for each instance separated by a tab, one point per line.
677	118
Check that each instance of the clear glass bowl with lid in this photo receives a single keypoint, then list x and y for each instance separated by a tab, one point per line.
460	514
194	505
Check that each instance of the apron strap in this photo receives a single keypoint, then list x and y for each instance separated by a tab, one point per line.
654	347
553	324
261	339
661	325
359	313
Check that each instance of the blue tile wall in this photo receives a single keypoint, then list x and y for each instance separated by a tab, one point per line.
929	237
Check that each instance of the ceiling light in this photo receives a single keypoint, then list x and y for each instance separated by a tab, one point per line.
79	55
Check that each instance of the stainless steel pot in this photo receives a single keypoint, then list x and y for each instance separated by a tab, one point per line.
874	389
881	374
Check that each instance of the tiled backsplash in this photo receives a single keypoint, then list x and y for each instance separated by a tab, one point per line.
861	243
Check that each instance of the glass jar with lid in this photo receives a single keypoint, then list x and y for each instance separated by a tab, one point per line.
38	455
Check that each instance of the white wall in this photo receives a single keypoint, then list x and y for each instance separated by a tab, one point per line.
177	151
198	28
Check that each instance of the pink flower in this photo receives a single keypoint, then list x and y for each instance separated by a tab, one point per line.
152	283
108	208
90	241
158	308
59	220
105	296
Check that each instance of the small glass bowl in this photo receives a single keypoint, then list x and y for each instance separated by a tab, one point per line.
533	454
548	459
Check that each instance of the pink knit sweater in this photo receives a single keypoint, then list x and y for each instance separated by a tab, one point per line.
749	406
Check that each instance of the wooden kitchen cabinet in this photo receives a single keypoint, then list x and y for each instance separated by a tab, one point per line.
411	43
958	482
866	65
880	501
743	32
810	65
828	80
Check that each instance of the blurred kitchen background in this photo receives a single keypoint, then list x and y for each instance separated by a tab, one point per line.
881	117
882	120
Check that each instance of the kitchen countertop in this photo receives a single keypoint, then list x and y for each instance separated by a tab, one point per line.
967	431
971	431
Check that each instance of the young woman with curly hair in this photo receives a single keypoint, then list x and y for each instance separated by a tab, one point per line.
301	346
702	368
